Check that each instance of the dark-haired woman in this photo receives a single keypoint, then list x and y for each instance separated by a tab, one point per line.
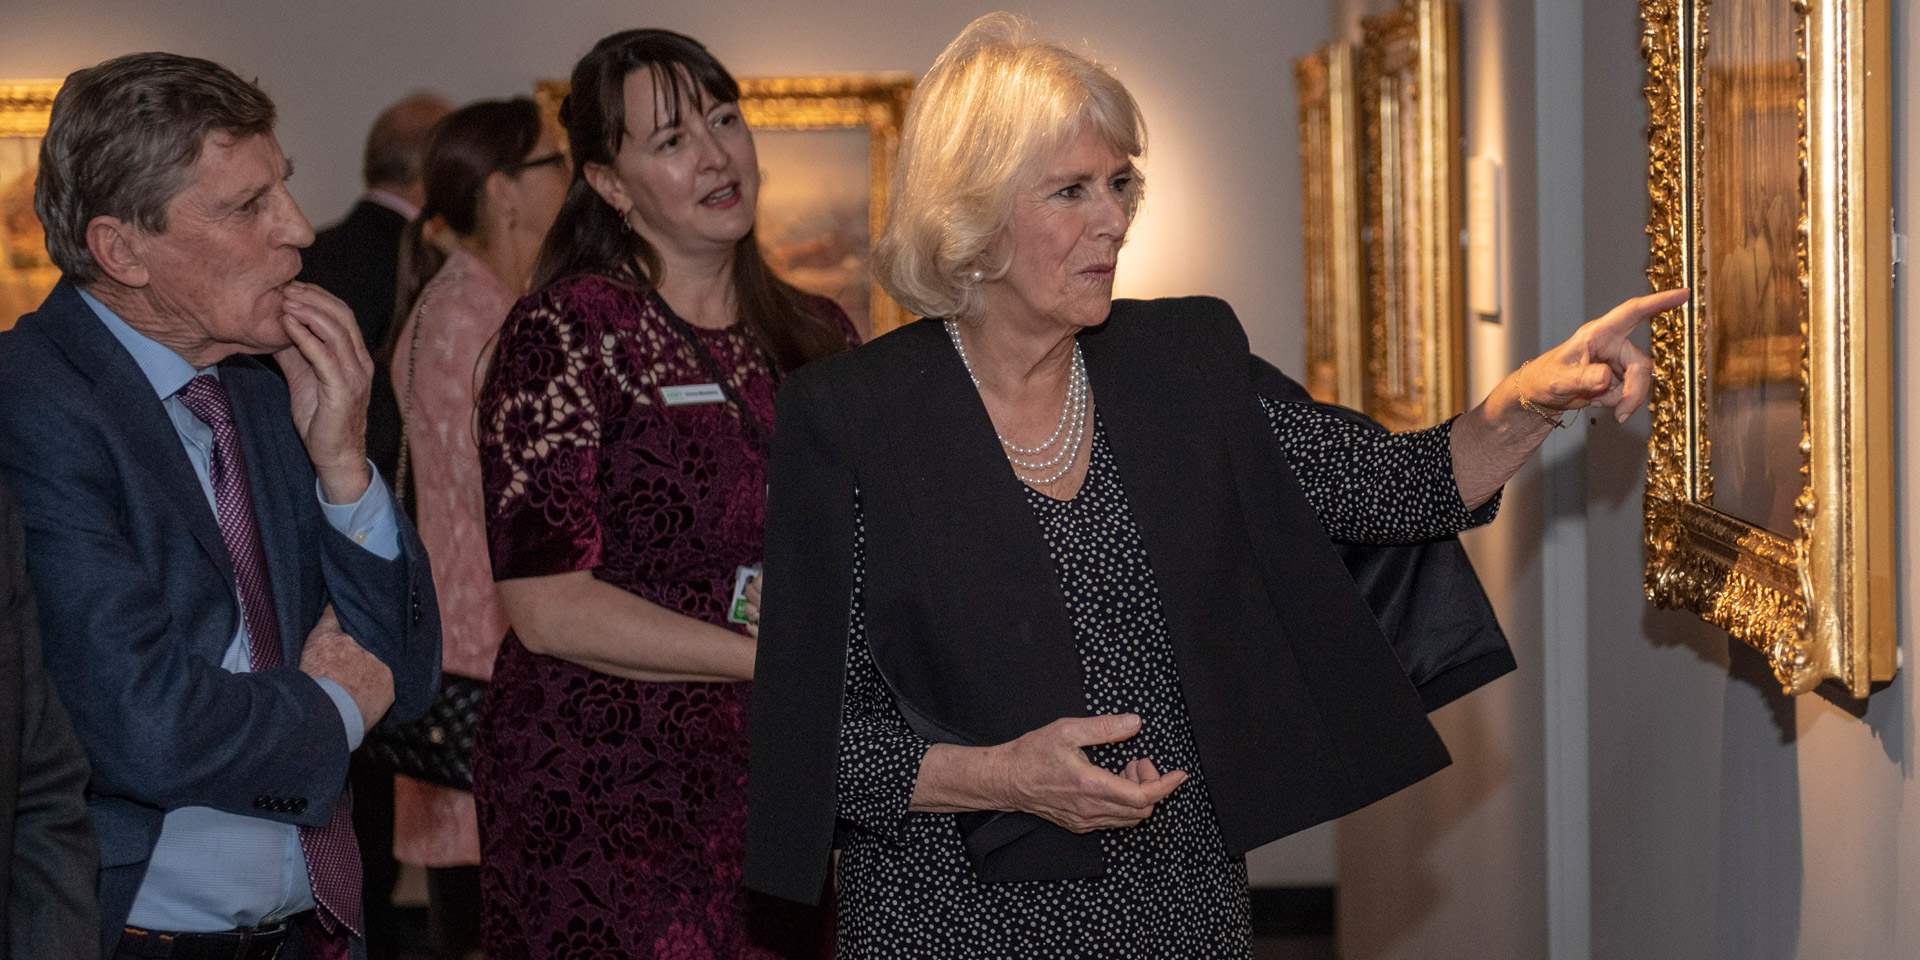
624	433
494	180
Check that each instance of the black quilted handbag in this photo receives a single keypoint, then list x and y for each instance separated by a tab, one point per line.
437	746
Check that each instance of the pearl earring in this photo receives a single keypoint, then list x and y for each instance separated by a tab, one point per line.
977	275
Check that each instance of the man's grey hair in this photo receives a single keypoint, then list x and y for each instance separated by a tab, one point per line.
123	139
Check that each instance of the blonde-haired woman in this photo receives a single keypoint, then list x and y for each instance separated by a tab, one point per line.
1054	630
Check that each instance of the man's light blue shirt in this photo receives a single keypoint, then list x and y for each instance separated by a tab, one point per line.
212	870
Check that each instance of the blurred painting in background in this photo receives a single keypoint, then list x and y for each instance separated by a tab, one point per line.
26	275
813	218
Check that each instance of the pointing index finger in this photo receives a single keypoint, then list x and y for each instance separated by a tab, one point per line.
1629	314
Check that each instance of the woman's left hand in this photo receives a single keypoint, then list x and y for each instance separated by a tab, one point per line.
1598	365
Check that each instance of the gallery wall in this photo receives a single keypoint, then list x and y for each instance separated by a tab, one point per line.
1222	217
1222	214
1729	821
1456	865
1718	819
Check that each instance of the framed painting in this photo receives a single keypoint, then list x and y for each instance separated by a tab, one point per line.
26	275
827	146
1410	109
1769	501
1330	224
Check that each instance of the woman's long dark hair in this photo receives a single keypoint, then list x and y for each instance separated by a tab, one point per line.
589	237
466	147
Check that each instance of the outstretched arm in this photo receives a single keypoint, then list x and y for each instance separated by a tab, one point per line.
1597	366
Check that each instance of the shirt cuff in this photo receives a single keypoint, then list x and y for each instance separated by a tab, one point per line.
349	712
368	521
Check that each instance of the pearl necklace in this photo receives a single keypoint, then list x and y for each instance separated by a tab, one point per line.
1068	433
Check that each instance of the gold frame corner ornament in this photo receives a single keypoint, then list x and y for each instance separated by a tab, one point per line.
1410	107
874	101
1330	213
1818	601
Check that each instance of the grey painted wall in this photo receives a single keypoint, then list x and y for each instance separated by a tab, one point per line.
1222	216
1724	820
1457	865
1729	821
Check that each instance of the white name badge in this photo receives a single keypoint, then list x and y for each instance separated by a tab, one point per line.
687	393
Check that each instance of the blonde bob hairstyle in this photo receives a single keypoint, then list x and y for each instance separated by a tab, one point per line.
996	104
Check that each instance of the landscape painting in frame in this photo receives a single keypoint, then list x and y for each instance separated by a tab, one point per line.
1769	500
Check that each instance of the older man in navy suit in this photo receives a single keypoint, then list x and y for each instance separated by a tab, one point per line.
229	596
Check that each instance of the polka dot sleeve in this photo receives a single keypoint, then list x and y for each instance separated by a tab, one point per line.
879	754
1369	485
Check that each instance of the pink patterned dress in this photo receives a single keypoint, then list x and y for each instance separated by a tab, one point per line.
612	811
452	325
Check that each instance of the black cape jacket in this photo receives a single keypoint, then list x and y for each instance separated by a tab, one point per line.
1302	710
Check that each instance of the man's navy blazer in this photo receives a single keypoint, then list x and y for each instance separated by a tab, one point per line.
137	598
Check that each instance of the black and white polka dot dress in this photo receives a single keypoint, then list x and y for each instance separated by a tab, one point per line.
1171	889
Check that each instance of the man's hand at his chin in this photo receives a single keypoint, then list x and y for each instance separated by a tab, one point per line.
329	375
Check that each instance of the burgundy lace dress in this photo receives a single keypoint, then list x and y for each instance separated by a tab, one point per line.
612	812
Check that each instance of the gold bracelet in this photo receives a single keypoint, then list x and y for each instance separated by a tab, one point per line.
1558	419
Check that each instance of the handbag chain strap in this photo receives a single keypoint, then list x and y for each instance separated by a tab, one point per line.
403	470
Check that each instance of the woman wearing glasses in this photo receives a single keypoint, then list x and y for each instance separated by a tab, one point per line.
494	180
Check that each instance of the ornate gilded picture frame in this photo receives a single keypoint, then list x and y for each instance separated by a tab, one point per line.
1330	213
1410	108
827	146
1769	501
26	275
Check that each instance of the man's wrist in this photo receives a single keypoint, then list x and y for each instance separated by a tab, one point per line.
345	484
351	717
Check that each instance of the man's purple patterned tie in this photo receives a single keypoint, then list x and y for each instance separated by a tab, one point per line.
333	858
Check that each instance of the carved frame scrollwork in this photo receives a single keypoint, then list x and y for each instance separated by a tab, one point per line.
1330	212
1410	102
1819	600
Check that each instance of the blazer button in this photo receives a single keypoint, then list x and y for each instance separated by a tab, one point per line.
297	805
263	803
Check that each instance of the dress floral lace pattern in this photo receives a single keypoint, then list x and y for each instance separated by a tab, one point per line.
613	812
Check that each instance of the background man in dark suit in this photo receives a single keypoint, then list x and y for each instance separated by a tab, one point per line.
229	595
47	854
357	260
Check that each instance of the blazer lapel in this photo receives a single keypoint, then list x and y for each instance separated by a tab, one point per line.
139	418
1168	445
1166	442
997	605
